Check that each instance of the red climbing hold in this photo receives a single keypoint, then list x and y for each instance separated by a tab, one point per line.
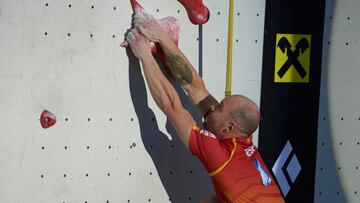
197	12
47	119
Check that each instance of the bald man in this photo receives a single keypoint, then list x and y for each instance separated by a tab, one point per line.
225	145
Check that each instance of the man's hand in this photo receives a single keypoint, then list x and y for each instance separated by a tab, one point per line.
139	44
149	26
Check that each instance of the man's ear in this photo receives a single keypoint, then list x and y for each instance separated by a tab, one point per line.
225	130
232	126
229	127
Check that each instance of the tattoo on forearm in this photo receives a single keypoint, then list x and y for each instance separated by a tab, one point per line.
180	69
205	104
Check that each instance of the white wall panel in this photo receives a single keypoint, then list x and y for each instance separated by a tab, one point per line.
337	176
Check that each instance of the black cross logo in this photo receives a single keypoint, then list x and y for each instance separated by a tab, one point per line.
285	45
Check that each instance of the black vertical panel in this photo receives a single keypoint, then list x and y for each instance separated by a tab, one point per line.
290	110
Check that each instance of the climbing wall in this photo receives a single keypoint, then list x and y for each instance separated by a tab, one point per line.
110	143
338	154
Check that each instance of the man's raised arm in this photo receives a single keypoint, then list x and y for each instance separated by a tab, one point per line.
163	93
180	66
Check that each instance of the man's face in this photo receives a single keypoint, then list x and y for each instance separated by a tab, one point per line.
215	119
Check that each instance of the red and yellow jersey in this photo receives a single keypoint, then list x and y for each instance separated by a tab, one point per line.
236	168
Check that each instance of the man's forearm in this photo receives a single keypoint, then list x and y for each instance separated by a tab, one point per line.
185	73
181	68
167	99
160	88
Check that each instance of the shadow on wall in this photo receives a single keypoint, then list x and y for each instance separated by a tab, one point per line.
327	190
181	174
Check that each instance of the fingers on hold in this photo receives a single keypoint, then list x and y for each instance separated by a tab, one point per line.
145	12
135	32
142	15
137	22
141	29
137	10
138	17
140	21
130	37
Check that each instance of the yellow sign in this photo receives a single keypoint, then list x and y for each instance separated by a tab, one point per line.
292	58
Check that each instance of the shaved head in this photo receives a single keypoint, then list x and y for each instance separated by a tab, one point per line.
234	116
244	113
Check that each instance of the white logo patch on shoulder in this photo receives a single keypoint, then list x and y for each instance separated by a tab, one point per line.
207	133
250	151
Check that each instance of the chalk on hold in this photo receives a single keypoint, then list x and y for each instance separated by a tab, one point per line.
47	119
197	12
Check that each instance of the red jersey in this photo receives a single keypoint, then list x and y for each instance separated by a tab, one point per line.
236	168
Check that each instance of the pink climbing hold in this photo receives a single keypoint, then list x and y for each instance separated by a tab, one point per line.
197	12
47	119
